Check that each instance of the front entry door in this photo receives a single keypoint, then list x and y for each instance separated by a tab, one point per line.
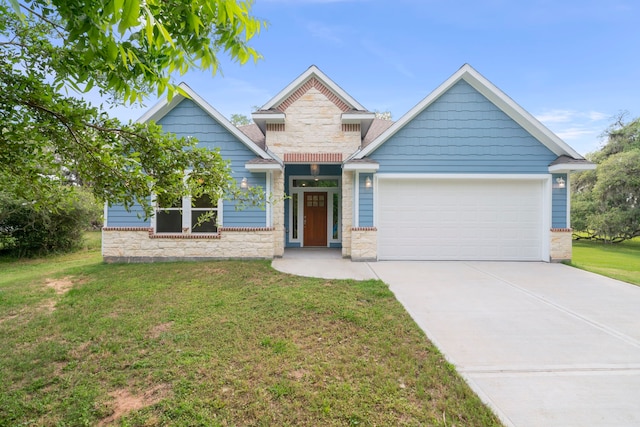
315	219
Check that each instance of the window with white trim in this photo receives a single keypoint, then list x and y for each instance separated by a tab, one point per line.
199	215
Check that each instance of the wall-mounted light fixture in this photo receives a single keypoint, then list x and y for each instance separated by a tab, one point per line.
315	169
368	183
244	184
559	182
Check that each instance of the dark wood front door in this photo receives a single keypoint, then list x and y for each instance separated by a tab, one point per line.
315	219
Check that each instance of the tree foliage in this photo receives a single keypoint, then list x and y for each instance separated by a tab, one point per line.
240	120
606	202
124	49
26	231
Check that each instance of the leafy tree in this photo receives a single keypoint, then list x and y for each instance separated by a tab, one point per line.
383	115
124	49
606	202
240	120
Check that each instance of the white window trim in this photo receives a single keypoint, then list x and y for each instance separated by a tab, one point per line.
187	210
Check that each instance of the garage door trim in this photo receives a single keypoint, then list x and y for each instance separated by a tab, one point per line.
545	180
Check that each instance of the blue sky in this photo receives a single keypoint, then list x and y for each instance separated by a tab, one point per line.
572	64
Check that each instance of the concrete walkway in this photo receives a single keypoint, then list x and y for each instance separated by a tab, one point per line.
542	344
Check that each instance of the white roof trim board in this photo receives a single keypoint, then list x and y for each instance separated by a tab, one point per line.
361	167
312	71
570	167
493	94
163	107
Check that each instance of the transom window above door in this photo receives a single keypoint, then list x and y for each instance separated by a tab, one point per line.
311	183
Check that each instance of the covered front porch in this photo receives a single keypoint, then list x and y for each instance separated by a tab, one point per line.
314	206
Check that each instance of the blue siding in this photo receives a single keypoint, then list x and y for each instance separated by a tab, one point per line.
187	119
559	203
462	132
365	208
117	216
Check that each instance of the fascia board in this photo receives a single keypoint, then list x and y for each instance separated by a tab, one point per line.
269	117
300	80
361	167
262	167
163	107
572	167
357	117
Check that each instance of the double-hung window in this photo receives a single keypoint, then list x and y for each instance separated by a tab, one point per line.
187	214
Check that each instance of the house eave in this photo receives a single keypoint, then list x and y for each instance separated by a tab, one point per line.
571	167
361	167
256	167
262	118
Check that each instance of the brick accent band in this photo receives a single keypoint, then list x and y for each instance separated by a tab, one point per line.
560	230
313	83
149	229
313	157
364	229
246	229
153	235
193	236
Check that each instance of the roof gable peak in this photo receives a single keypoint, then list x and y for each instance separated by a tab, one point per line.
494	95
313	77
164	107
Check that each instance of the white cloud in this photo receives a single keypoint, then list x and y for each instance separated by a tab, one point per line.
581	129
556	116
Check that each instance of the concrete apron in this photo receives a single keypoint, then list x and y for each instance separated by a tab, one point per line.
542	344
322	262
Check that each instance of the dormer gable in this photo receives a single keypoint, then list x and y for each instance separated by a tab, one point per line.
354	115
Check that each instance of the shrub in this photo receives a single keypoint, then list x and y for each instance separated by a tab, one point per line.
28	229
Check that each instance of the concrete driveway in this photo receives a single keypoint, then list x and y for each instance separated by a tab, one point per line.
542	344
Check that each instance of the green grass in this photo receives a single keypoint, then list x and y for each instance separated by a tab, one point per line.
214	343
620	261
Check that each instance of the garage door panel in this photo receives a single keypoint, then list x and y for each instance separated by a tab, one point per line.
460	219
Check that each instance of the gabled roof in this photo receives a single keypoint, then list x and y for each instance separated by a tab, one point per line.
493	94
163	107
308	75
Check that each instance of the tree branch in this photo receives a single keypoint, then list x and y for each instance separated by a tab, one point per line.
57	27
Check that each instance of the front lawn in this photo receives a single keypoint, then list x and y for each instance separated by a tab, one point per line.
214	343
620	261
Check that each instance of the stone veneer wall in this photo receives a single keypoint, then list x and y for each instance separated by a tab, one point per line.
364	244
313	124
561	244
139	244
347	212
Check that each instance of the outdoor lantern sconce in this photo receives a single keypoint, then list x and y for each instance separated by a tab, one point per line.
559	182
315	169
244	184
368	183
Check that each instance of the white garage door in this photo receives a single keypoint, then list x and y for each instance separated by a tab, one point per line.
460	219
